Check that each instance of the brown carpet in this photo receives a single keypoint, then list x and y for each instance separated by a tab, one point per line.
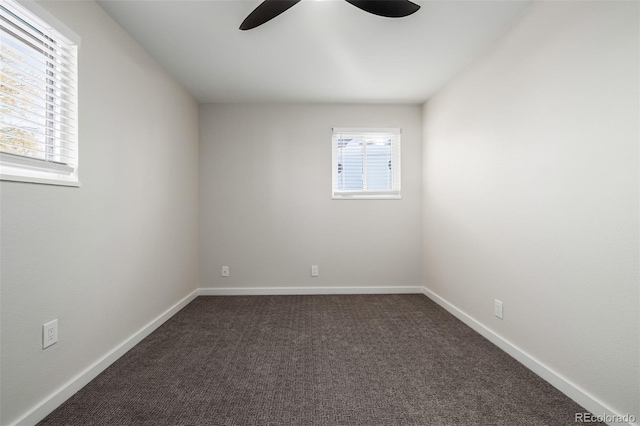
315	360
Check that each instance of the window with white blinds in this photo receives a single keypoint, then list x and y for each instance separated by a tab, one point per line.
38	98
366	163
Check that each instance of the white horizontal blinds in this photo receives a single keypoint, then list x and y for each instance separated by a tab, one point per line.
38	88
350	167
366	162
378	163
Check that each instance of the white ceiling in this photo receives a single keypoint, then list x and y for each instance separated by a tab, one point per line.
317	51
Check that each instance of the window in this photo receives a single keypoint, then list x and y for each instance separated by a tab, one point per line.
366	164
38	97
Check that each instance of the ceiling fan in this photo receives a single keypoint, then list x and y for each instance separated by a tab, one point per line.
269	9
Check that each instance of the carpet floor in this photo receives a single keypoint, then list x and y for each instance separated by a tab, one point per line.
315	360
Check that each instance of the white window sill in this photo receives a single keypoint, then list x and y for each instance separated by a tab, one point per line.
20	169
40	180
364	196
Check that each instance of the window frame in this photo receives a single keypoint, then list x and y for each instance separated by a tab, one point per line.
393	194
19	168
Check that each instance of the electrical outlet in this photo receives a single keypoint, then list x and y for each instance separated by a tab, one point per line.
49	333
314	270
225	271
497	308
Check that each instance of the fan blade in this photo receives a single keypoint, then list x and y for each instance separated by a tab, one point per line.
266	11
388	8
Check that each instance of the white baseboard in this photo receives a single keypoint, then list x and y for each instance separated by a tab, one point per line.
579	395
56	399
573	391
264	291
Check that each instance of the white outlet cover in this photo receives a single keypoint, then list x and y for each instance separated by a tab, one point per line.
225	271
498	308
49	333
314	270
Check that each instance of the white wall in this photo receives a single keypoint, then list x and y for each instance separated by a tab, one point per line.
108	257
266	208
530	193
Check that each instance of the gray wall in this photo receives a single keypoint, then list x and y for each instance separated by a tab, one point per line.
531	193
112	255
266	208
523	186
